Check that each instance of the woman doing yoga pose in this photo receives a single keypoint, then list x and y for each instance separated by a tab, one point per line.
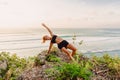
63	45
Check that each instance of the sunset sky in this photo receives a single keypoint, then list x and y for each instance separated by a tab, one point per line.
60	13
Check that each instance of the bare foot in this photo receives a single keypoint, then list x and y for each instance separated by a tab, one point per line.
72	58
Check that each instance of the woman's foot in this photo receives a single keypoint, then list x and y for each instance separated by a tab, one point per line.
72	58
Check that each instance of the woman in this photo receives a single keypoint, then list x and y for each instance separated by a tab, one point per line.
63	45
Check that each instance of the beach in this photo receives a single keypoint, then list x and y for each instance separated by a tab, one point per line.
28	42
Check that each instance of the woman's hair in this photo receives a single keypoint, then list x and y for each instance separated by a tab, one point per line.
44	38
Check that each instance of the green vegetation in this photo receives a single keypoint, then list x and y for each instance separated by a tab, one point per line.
52	58
14	65
108	64
70	71
11	66
106	67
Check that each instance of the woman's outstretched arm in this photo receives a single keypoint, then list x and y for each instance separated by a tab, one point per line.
51	33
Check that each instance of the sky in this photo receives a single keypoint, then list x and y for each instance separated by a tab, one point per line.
60	13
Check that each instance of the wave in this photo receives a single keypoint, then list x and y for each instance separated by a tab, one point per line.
94	41
97	39
24	48
115	51
19	40
64	36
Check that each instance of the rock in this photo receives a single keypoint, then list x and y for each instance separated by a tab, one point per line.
38	72
3	65
40	59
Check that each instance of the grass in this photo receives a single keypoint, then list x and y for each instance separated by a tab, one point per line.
15	65
84	68
107	63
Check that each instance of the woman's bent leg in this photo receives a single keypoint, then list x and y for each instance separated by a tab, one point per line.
71	47
68	53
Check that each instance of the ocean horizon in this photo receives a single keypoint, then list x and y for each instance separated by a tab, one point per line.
96	41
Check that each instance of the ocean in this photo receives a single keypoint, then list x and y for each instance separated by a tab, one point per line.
91	41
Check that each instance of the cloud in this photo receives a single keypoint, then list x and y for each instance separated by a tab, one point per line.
3	3
101	2
85	13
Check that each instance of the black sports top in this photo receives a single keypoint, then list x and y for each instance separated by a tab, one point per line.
62	44
53	39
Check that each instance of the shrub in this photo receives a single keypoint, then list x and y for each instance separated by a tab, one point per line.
53	58
71	71
109	64
15	65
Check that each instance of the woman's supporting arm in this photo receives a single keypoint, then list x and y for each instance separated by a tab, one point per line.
51	44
